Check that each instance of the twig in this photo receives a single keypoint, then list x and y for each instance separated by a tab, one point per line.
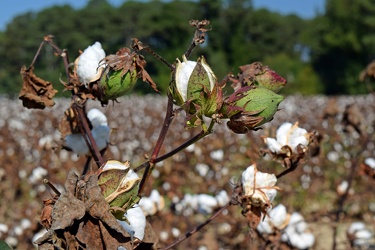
49	184
87	135
186	144
199	227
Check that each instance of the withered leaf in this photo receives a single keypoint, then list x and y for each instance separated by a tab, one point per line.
68	123
46	216
67	208
254	216
98	208
36	93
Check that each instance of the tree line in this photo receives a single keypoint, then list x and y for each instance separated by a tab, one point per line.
324	55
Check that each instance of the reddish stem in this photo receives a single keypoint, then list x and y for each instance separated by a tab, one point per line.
87	135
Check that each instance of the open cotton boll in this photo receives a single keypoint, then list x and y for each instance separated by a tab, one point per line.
88	68
137	222
101	135
182	76
206	203
278	216
370	162
222	198
97	118
263	192
77	143
148	206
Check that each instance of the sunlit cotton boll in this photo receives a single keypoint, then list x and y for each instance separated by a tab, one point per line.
88	68
277	218
137	222
287	134
97	118
263	192
206	203
152	204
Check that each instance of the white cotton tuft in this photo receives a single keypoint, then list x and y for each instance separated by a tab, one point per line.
137	222
88	68
97	118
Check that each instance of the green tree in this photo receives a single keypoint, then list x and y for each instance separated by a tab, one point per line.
342	43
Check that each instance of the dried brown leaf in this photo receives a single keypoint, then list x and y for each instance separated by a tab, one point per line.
67	208
46	216
36	93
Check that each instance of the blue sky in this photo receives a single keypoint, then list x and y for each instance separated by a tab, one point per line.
10	9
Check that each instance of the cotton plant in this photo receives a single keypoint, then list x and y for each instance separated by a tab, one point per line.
112	195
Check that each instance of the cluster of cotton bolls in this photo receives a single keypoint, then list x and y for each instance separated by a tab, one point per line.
293	227
200	203
359	236
152	204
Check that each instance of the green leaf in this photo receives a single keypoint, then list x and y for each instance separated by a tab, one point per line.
4	245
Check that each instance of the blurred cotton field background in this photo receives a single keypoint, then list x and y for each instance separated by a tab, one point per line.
191	184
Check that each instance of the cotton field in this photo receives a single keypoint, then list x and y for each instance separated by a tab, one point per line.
187	187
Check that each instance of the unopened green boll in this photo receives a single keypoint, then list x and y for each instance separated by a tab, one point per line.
116	83
251	108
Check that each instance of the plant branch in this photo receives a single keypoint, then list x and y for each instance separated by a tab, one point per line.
199	227
186	144
86	133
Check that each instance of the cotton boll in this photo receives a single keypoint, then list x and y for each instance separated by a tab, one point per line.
137	222
217	155
88	68
96	117
37	175
148	206
76	143
356	226
206	203
370	162
278	216
101	135
265	227
222	198
273	145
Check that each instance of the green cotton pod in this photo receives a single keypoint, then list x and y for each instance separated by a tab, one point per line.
202	79
115	83
252	108
119	185
262	102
